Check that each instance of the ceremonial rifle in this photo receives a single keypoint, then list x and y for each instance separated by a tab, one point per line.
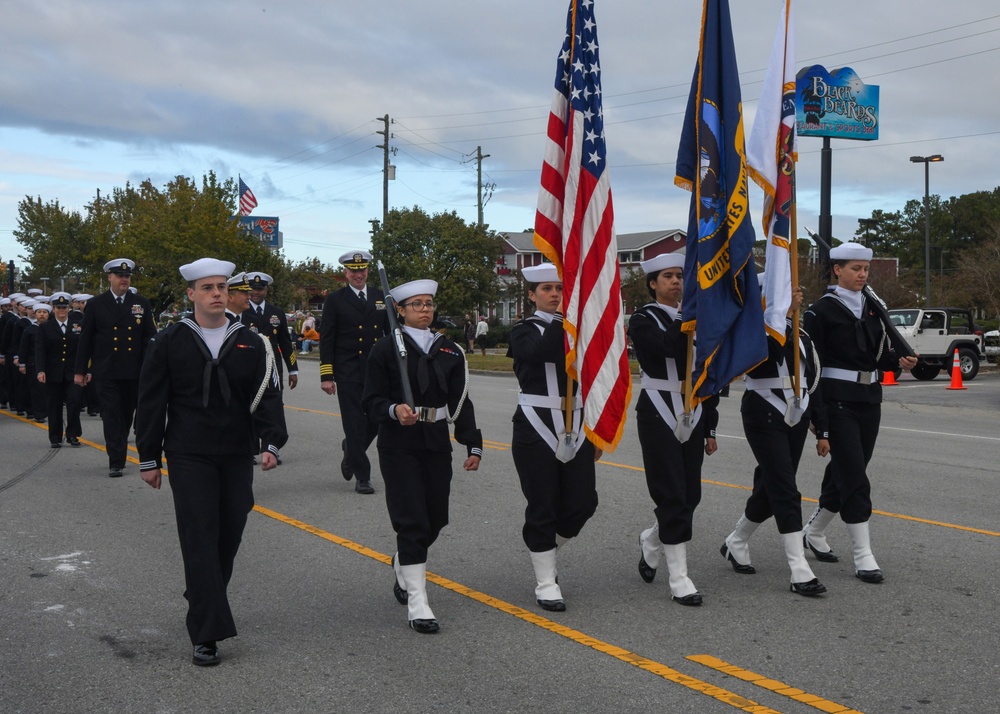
899	344
397	336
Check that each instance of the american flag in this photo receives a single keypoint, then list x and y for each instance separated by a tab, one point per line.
248	201
771	160
574	228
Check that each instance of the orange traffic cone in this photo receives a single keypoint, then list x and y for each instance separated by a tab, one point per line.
956	373
889	379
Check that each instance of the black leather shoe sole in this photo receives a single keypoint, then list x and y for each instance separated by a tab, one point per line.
645	572
692	600
552	605
737	567
344	470
821	556
115	473
364	487
56	445
425	627
74	442
869	576
810	589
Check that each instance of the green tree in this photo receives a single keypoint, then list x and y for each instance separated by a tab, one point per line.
312	277
461	257
54	238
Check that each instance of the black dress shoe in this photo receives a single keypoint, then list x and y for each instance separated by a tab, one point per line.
364	487
401	595
344	470
425	627
552	605
73	441
691	600
93	414
810	589
822	556
206	654
645	571
737	567
55	445
869	576
116	472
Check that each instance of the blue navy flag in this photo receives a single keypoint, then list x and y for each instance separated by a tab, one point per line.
721	302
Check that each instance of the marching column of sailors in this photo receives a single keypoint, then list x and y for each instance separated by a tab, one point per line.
840	350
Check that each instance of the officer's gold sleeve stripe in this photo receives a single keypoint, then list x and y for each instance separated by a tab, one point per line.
772	685
657	668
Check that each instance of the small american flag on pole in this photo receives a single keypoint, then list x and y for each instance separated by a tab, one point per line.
248	201
574	228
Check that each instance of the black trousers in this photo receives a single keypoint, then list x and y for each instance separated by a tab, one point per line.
59	393
91	398
778	449
4	382
561	496
853	432
118	400
417	487
673	475
37	396
212	497
359	430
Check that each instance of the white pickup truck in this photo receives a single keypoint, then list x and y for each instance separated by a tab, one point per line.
935	333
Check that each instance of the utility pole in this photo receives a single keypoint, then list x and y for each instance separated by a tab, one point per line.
479	183
385	166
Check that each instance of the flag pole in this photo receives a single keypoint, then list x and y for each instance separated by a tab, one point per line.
793	258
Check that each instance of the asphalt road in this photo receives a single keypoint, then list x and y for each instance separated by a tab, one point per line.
92	614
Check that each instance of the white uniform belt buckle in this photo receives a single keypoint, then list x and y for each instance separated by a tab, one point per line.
428	414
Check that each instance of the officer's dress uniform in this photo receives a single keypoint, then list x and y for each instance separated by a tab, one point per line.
199	411
112	347
777	446
673	469
852	346
562	496
349	329
416	460
55	355
270	322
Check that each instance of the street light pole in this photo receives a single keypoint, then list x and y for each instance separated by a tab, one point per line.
926	161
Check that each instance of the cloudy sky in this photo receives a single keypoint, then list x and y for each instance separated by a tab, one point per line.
97	93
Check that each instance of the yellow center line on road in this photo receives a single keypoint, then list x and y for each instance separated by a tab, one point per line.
657	668
772	685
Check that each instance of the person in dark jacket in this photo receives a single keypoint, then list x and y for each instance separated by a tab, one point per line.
270	321
672	458
354	319
116	327
414	445
852	346
557	474
55	357
28	365
776	427
208	395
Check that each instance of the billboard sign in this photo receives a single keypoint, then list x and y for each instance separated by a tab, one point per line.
835	104
264	228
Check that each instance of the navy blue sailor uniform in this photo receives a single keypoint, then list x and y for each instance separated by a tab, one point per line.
7	319
208	416
112	348
20	397
271	323
415	461
561	497
55	355
852	350
349	329
673	469
776	445
34	390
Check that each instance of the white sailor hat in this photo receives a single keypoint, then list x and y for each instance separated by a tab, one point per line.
43	298
61	299
851	251
4	301
259	281
27	302
356	259
133	289
206	268
662	262
34	292
239	282
16	296
41	306
76	296
120	266
544	273
83	297
405	291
